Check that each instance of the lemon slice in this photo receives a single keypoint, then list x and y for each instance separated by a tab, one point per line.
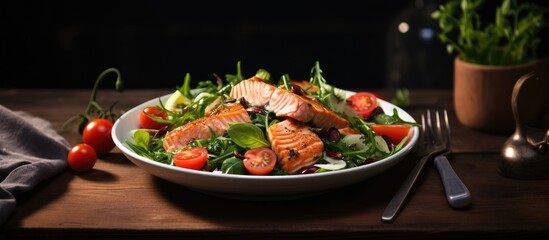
176	102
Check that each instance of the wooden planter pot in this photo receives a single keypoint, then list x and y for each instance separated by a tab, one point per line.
482	96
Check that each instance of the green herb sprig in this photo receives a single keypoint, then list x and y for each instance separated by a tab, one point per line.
511	38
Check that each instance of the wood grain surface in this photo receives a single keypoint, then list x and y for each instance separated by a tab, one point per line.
118	200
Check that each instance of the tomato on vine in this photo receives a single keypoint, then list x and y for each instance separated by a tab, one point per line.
97	134
81	157
96	123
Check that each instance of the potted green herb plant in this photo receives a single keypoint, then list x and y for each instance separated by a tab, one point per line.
490	57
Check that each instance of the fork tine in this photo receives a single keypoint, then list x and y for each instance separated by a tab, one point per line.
448	132
430	131
439	135
423	131
429	125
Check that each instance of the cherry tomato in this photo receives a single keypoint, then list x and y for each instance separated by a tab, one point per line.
147	122
97	134
395	132
192	158
363	103
81	157
259	161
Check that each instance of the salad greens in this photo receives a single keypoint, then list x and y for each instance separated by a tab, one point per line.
347	150
247	135
328	95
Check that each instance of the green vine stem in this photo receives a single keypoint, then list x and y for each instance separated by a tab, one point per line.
118	86
94	105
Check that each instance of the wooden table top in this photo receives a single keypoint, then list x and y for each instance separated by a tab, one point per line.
119	200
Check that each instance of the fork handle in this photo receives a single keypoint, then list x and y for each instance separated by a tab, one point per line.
396	203
457	194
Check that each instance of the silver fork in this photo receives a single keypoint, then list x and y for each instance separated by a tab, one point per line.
457	194
431	144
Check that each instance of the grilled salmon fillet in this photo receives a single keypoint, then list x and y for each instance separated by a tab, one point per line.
288	104
218	121
294	144
285	103
256	91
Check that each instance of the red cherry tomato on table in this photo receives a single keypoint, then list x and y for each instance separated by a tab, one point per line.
259	161
81	157
97	134
363	103
149	123
395	132
192	158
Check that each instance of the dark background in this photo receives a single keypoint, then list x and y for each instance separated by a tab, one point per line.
67	44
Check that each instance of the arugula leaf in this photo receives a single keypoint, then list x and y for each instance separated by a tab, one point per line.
234	79
285	79
217	162
327	94
148	147
185	89
394	119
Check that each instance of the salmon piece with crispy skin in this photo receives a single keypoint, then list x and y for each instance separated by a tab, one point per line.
295	145
218	120
288	104
256	91
285	103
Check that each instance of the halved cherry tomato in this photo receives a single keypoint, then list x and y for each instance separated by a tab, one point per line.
147	122
192	158
97	134
395	132
363	103
259	161
81	157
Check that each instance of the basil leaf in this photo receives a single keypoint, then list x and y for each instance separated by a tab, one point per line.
247	135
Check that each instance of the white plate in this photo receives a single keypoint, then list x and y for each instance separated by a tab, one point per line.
255	187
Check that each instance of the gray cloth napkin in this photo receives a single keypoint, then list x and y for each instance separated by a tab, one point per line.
30	152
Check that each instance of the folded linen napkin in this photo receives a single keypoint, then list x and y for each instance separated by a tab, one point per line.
30	152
